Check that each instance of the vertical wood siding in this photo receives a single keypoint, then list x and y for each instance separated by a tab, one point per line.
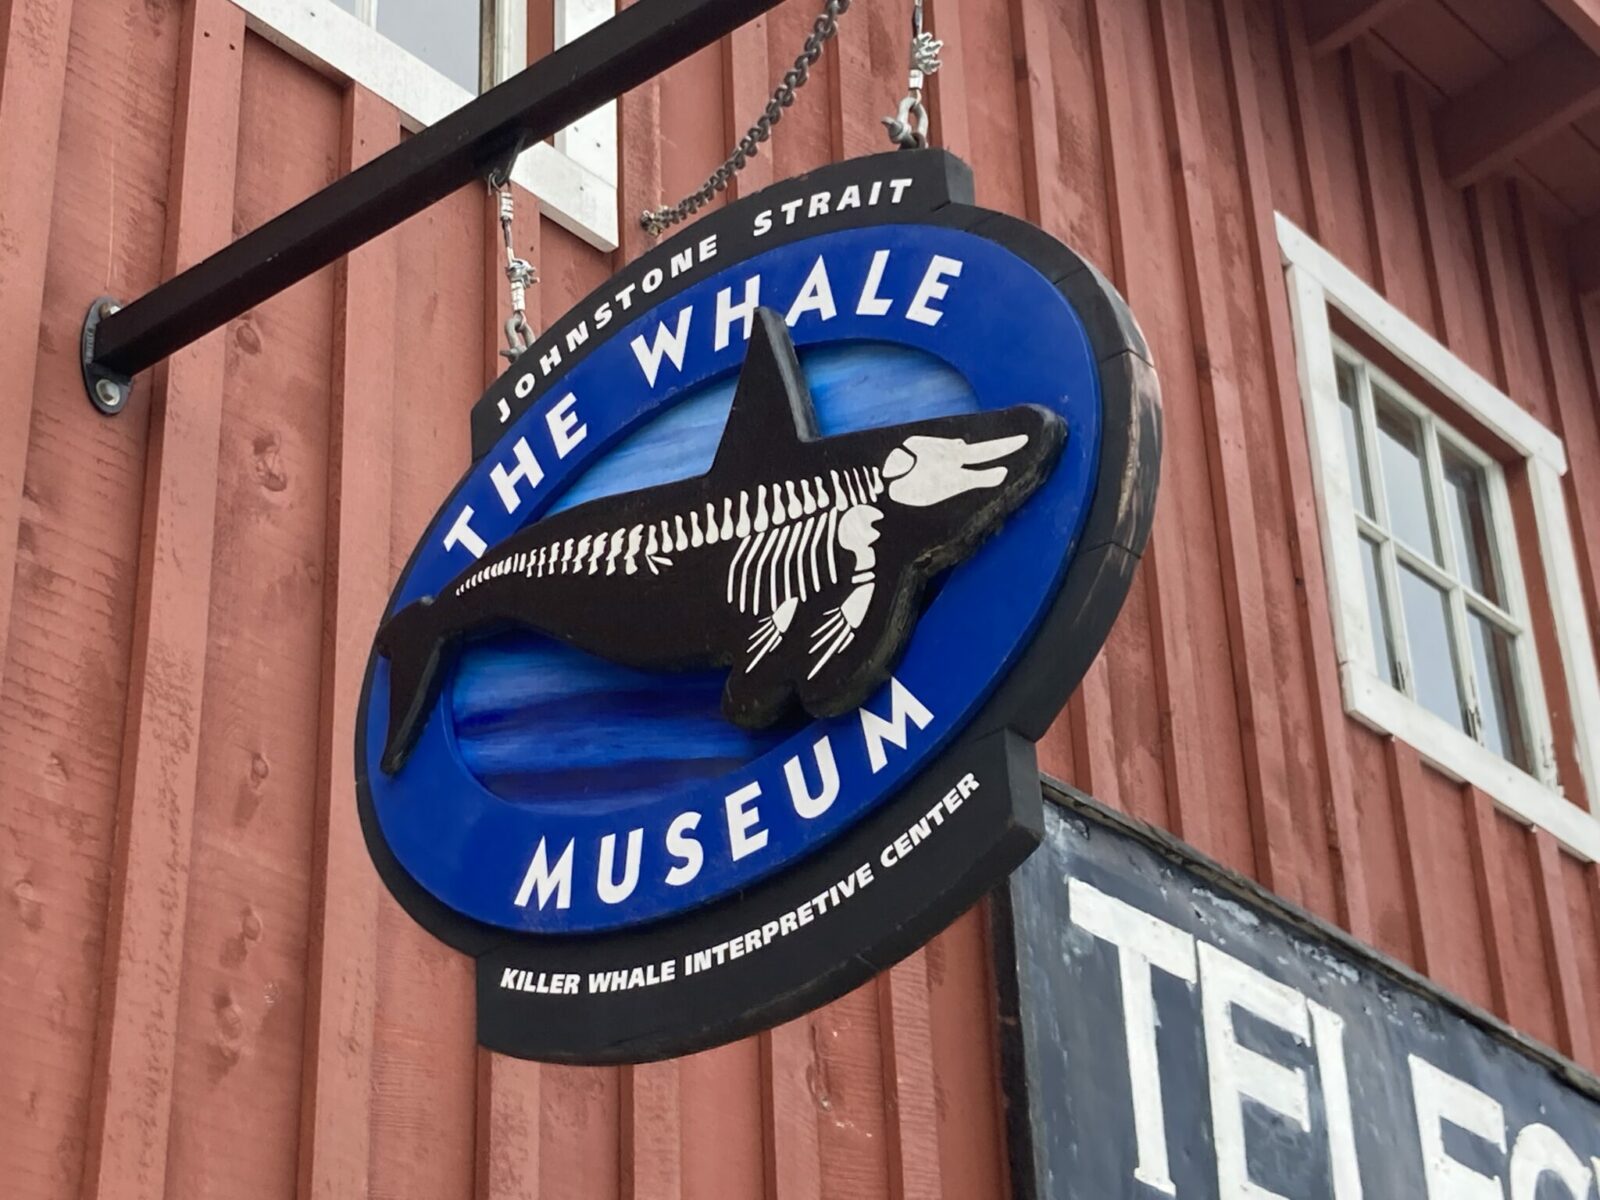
204	991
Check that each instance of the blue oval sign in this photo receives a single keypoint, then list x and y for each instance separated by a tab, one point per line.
845	482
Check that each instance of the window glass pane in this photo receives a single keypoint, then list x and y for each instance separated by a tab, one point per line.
1353	452
1433	665
1464	496
1404	483
1494	660
442	33
1378	613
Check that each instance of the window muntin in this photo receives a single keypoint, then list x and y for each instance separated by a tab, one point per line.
1433	519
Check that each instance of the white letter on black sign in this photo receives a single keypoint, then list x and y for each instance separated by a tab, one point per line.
1238	1073
1541	1151
1141	940
1328	1027
1438	1098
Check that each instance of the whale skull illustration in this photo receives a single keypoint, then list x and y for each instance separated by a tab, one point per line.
717	570
926	470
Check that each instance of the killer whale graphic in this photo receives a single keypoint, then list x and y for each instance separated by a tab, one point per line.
796	561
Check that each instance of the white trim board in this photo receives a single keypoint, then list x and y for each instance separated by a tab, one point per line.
1317	281
1417	348
335	43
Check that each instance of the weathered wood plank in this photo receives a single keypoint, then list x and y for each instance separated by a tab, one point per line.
1163	568
1483	840
639	179
1428	186
1555	923
746	87
33	74
509	1101
909	1085
652	1137
425	1081
1567	355
1233	505
1416	860
790	1125
1295	469
1088	732
1299	73
130	1109
948	90
720	1121
239	1075
335	1132
1493	279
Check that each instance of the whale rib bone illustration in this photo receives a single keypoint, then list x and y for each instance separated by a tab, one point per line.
797	561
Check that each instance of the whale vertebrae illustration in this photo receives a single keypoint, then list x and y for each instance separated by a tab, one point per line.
796	561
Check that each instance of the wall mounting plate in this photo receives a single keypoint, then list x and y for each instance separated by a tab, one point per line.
108	390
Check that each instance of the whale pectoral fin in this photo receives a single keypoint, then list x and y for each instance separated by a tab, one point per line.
768	635
839	627
856	644
759	688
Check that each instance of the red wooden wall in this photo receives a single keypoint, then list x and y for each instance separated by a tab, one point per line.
203	989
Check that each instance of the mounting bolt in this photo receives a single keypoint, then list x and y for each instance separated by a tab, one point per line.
108	390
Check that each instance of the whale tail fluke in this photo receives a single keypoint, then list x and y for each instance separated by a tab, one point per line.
417	657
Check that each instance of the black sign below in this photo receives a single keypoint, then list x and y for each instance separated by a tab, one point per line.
1177	1032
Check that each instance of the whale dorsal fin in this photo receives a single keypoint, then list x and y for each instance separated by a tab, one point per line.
771	403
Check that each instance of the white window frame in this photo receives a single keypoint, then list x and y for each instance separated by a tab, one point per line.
1317	282
1511	614
578	192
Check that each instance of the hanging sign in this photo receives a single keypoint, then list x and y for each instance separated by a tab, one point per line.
1176	1031
712	688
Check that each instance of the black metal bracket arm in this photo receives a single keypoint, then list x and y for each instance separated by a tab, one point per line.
640	42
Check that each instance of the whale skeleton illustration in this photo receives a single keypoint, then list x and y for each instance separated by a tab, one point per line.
717	570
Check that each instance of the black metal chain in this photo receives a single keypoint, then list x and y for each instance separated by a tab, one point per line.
656	221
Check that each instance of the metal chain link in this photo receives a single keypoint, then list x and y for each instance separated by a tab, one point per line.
519	273
656	221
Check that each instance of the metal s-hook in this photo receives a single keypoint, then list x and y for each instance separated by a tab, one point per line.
908	128
519	271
